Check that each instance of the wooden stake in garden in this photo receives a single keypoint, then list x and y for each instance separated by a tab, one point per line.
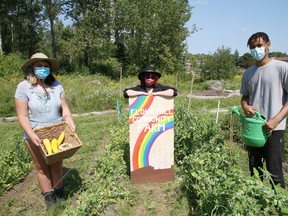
231	135
120	87
217	115
192	81
177	80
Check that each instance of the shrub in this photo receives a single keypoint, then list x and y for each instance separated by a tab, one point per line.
10	65
15	164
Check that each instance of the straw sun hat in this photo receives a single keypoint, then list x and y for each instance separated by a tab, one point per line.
54	64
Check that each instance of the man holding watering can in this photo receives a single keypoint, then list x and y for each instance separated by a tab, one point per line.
264	88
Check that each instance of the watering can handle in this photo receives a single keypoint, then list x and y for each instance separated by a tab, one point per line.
259	116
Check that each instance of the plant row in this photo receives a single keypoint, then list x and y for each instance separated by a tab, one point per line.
212	178
15	164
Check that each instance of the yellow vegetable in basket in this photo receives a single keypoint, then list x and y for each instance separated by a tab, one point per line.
47	146
54	145
61	138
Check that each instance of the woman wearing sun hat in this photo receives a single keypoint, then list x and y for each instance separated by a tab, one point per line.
40	101
149	85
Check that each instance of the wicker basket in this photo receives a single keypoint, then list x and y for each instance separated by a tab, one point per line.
54	131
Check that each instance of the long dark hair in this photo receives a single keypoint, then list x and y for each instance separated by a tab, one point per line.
50	79
142	81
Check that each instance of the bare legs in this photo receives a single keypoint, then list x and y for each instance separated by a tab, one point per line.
49	176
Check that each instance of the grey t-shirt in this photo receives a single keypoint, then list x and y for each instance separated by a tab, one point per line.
43	109
267	87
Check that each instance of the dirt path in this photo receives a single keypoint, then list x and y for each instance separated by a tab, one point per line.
153	199
26	198
159	199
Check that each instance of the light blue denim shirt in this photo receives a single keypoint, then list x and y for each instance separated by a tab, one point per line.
44	108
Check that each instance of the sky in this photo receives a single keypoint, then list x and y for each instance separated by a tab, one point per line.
230	23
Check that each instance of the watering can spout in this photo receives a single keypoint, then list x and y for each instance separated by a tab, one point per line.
235	110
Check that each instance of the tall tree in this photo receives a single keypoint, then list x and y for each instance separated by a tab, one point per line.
21	27
52	8
93	25
152	31
220	65
246	60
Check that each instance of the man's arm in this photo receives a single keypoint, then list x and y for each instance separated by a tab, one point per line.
248	110
273	122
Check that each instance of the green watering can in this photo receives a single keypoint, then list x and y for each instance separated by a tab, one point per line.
253	133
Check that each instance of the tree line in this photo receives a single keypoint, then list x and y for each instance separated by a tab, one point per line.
102	35
105	36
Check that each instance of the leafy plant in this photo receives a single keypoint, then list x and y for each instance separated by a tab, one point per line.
212	179
107	184
15	164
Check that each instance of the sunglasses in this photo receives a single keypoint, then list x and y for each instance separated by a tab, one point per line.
150	77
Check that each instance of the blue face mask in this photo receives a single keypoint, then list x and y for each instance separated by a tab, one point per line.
258	53
41	72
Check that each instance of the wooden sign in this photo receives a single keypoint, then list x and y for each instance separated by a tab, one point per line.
151	125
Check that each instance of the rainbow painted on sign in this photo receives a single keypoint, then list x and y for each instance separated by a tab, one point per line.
141	103
147	137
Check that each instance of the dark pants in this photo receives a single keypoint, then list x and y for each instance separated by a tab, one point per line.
272	153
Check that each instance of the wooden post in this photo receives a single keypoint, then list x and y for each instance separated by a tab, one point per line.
192	81
120	87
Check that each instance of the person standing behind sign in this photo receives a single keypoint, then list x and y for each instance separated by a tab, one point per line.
149	85
264	88
40	101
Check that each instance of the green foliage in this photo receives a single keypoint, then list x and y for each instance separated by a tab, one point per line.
217	188
7	105
90	93
246	61
21	26
226	127
10	65
212	180
209	174
277	54
191	131
107	184
109	67
221	65
15	164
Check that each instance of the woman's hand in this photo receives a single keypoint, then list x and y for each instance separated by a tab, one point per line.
70	122
133	93
66	115
150	92
166	93
35	139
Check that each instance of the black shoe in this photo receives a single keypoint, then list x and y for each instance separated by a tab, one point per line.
50	199
60	194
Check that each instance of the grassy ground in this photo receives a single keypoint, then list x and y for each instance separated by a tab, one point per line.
94	131
26	198
155	199
149	199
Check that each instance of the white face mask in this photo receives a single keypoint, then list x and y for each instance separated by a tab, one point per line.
258	53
